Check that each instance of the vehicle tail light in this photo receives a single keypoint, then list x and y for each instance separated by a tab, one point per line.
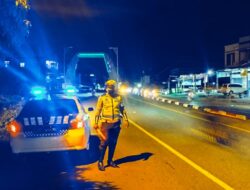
77	123
14	128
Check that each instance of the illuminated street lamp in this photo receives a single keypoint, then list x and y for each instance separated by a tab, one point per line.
210	72
171	79
22	64
139	85
115	49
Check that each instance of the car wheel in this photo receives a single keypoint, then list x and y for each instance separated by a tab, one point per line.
230	93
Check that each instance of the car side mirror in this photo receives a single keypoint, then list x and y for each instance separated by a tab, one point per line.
90	109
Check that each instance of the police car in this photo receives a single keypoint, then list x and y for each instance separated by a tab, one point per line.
49	125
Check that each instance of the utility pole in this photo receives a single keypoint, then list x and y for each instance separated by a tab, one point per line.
115	49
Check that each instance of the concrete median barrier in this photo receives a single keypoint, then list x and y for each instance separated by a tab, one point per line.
208	110
226	114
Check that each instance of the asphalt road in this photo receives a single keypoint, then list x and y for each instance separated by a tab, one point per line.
165	147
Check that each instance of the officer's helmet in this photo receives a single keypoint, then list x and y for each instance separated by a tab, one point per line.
110	84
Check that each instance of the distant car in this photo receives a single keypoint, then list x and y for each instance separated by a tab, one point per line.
86	90
229	89
50	125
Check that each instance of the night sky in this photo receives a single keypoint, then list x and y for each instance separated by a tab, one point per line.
154	36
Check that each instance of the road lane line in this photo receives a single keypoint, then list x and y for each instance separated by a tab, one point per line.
185	159
196	117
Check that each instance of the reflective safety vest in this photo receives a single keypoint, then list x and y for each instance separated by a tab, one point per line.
108	108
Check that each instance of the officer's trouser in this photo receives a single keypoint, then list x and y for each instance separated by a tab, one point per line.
111	132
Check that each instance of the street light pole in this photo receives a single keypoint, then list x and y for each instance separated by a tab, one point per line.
206	78
65	49
205	81
169	83
115	49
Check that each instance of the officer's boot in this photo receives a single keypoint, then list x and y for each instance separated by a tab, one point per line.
111	154
101	167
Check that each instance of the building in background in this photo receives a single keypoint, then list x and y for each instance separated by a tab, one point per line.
237	64
238	54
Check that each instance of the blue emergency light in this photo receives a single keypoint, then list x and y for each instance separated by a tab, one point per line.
70	90
38	92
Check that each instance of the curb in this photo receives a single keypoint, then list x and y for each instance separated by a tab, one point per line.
195	107
226	114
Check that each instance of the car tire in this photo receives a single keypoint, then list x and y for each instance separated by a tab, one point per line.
230	93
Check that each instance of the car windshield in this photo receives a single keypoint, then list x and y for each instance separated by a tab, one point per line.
46	107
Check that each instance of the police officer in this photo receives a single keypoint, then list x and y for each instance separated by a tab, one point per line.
109	113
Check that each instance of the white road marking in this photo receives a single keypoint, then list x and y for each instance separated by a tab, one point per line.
185	159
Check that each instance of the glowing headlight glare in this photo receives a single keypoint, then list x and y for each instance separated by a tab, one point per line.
145	92
123	89
142	92
154	93
135	90
13	128
129	90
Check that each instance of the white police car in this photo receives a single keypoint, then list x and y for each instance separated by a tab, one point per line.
50	125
